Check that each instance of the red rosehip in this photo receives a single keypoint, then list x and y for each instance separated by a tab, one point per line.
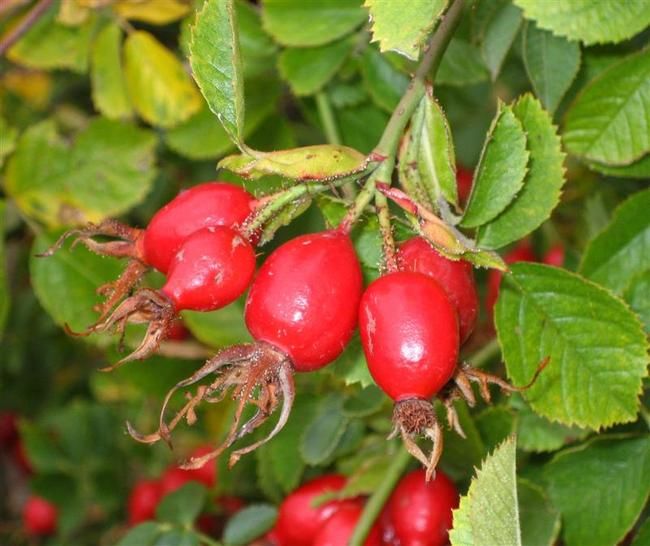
212	268
421	511
298	519
464	182
39	516
338	529
206	205
555	255
522	252
178	331
456	277
305	297
409	333
174	478
143	501
8	429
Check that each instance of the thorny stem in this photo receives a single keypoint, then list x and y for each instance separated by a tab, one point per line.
389	141
378	499
387	147
24	25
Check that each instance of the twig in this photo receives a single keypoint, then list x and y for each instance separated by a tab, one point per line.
327	118
24	25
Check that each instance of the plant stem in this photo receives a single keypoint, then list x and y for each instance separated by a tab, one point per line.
361	202
387	145
378	499
327	118
24	25
388	242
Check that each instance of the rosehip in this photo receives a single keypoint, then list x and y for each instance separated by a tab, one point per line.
305	297
213	267
338	529
175	477
298	519
409	334
421	511
39	516
143	501
206	205
555	255
8	429
456	277
302	311
464	183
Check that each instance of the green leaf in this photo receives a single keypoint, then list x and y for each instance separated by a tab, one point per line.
361	126
161	91
351	366
219	328
538	518
203	137
50	44
249	524
595	343
427	166
66	283
500	33
319	162
588	21
155	12
537	434
322	435
4	288
367	401
177	537
461	64
296	23
368	477
601	506
217	65
256	46
489	514
461	454
495	424
551	62
609	122
403	27
638	169
182	506
144	534
384	83
308	69
542	184
107	170
501	169
637	294
284	217
108	84
8	140
622	250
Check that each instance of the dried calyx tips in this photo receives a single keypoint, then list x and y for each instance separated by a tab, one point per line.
257	374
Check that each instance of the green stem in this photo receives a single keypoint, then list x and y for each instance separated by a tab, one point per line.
485	354
361	202
387	145
327	118
378	499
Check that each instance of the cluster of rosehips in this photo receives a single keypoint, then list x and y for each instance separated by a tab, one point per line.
417	513
302	309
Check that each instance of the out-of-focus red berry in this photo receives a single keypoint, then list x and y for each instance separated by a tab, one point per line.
464	181
8	429
555	255
143	501
39	516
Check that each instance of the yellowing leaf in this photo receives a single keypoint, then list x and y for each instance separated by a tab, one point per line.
161	90
156	12
320	162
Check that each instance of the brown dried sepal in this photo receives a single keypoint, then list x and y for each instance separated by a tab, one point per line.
125	247
257	374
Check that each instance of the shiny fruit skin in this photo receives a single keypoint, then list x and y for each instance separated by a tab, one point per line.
409	333
39	516
205	205
213	267
143	501
305	298
456	277
522	252
298	521
421	511
338	529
